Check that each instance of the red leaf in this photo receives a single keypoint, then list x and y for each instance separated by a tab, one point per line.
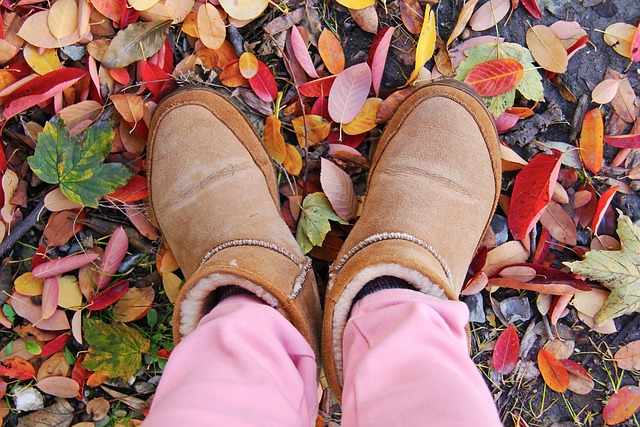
79	374
302	54
155	77
349	92
506	351
622	405
321	108
352	141
532	193
263	83
317	88
129	16
40	89
114	253
121	75
550	275
495	77
542	288
603	204
17	368
544	244
40	257
554	374
133	191
624	141
378	56
112	9
578	44
55	345
532	7
108	296
635	46
63	265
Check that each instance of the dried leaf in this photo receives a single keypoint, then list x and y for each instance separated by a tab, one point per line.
511	252
98	407
316	131
35	31
63	18
412	16
560	225
554	374
349	93
136	42
141	5
506	351
248	64
463	19
628	356
17	368
601	207
41	62
356	4
244	10
338	188
28	285
293	162
171	284
114	253
580	381
547	49
622	405
56	365
60	414
130	107
69	295
263	83
542	288
495	77
366	18
532	193
134	304
63	265
366	118
273	139
331	52
619	36
109	296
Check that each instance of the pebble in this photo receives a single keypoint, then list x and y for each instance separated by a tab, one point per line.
476	308
143	387
515	309
28	399
500	229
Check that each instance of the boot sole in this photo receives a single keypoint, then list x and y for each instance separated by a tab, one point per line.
225	111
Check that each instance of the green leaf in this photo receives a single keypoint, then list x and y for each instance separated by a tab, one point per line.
313	226
9	312
618	271
69	357
137	42
77	163
530	86
32	347
152	317
116	350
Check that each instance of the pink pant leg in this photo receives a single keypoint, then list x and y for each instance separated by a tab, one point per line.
406	363
244	365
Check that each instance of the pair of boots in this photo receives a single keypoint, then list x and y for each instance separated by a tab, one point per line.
432	189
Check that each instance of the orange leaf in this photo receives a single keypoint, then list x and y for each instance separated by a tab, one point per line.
293	162
622	405
248	65
412	16
554	374
592	140
130	107
231	76
366	118
495	77
317	129
190	24
273	139
17	368
96	379
331	52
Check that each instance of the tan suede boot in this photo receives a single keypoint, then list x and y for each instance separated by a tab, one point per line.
433	185
214	196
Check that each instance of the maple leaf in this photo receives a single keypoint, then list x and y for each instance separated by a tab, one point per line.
618	271
116	350
313	226
77	163
529	87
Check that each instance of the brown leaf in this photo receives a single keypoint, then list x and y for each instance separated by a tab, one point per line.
366	18
559	223
463	19
62	226
63	387
98	407
508	253
628	356
60	414
136	42
130	107
134	304
412	15
54	366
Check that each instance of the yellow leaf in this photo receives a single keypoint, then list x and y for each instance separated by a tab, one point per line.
619	36
293	162
318	129
165	261
35	30
547	49
366	118
273	139
211	27
41	63
134	304
70	295
357	4
172	285
248	65
63	18
28	285
190	24
6	79
244	9
426	43
141	5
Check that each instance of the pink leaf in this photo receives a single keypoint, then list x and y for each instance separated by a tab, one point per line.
40	89
635	46
23	307
506	121
378	55
506	351
349	92
140	222
76	326
623	141
302	54
113	255
63	265
50	292
338	188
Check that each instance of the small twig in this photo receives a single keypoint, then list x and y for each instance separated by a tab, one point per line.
236	40
18	232
547	328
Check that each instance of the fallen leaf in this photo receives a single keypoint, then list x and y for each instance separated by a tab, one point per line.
316	131
109	296
560	225
33	313
136	42
412	16
618	271
69	295
623	141
533	8
495	77
619	36
41	62
313	226
171	284
366	18
489	14
622	405
248	64
116	350
532	193
35	31
628	356
63	265
366	118
28	285
378	56
605	91
356	4
293	162
273	139
244	10
130	107
211	28
601	208
506	351
301	53
331	52
635	46
547	49
263	83
426	43
56	365
580	381
463	20
134	304
542	288
60	413
114	253
62	226
554	374
511	252
338	188
18	369
349	93
63	18
99	407
62	387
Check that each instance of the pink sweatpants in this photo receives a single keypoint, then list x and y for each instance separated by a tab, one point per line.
405	361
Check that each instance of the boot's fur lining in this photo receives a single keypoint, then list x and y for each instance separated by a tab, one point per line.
192	307
343	305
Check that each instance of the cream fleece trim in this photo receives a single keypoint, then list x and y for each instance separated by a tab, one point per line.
343	305
192	307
